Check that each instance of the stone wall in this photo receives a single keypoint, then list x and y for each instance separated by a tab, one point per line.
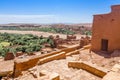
26	63
71	37
88	67
60	55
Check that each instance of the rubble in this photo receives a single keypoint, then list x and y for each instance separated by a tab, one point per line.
9	56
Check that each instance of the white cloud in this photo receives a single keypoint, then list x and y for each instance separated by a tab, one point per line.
41	19
27	18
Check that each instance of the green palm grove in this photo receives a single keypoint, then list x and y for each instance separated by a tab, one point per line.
27	43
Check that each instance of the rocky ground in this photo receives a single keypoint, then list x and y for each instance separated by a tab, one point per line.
61	67
101	59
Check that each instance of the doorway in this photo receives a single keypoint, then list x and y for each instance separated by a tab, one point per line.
104	45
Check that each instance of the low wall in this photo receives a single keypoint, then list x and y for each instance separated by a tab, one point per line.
73	53
26	63
66	50
53	57
88	67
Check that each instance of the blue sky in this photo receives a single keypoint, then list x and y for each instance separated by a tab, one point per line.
52	11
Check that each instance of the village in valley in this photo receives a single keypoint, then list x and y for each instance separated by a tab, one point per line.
89	51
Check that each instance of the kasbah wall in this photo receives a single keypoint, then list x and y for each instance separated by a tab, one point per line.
107	26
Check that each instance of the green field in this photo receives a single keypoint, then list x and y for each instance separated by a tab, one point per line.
22	43
44	29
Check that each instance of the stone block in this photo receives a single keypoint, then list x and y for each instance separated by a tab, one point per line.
9	56
6	68
54	76
88	67
24	64
45	75
44	72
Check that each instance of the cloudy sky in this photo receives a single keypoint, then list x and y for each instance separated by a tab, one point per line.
52	11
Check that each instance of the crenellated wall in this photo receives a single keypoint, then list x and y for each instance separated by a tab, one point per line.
107	26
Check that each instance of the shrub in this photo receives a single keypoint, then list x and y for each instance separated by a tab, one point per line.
5	44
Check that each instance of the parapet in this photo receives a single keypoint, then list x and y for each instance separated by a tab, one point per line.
115	8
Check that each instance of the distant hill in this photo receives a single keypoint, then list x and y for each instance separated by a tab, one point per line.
60	24
80	28
83	24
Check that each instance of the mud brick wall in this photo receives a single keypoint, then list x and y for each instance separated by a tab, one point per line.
106	26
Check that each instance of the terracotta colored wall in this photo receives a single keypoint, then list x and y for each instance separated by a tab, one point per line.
107	26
